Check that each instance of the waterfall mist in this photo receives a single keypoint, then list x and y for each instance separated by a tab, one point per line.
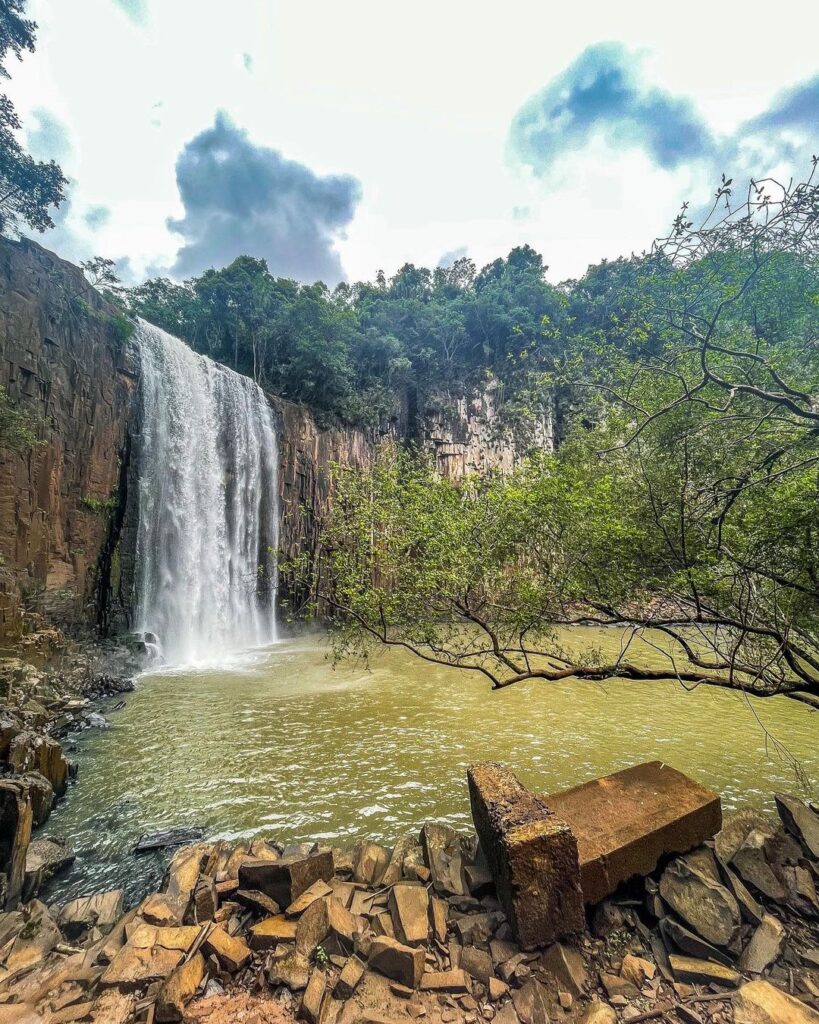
208	507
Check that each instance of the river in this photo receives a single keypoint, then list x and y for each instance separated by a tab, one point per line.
278	741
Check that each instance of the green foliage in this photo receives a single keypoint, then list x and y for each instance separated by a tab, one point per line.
682	504
98	505
102	278
350	353
122	327
28	188
17	427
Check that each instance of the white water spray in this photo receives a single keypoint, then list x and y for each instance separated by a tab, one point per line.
208	507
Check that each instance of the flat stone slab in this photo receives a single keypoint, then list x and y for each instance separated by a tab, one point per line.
531	853
625	822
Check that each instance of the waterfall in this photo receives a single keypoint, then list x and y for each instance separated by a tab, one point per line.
207	531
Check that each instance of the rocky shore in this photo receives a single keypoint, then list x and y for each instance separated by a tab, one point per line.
48	689
257	932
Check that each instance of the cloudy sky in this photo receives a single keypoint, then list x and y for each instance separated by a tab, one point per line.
335	139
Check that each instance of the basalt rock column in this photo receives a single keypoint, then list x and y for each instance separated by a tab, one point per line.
532	855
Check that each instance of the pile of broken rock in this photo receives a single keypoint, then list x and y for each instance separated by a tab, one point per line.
256	932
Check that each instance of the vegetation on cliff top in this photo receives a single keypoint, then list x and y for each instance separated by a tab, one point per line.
351	352
685	504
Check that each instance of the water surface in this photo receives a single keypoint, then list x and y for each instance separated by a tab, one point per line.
281	743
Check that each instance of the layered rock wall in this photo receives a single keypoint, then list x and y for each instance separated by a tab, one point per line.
62	359
67	510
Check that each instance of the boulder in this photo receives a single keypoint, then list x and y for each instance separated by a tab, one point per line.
455	980
310	1009
751	862
444	856
285	879
735	828
315	892
370	861
479	881
149	955
532	1003
758	1002
407	850
183	873
409	907
102	911
292	970
204	901
404	964
617	987
178	989
531	853
351	974
38	936
30	751
477	929
566	966
800	820
258	902
438	918
497	989
45	858
800	891
271	931
328	924
15	827
677	936
637	970
706	905
749	907
160	910
702	972
599	1013
626	823
477	963
232	952
765	946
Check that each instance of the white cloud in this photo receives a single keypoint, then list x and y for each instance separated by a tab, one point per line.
414	103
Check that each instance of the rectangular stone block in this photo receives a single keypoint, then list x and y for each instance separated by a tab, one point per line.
285	879
531	853
625	822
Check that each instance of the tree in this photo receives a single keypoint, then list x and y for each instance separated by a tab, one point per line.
682	511
28	188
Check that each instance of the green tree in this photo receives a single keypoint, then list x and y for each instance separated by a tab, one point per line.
683	510
28	188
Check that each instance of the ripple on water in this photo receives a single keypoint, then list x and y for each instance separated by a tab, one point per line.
282	743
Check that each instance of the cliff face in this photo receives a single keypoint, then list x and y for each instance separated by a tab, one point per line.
62	359
306	458
466	435
68	512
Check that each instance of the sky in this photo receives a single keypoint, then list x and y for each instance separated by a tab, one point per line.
335	139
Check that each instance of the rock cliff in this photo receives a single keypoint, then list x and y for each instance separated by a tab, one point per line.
67	508
62	358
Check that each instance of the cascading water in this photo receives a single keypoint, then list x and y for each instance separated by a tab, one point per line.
208	509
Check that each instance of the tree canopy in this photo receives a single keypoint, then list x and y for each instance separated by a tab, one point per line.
29	188
681	508
348	353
